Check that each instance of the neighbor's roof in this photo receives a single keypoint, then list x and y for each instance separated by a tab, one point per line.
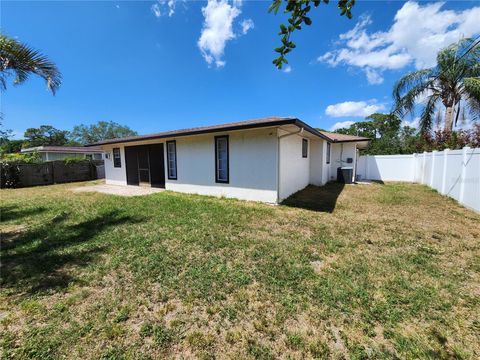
64	149
240	125
335	137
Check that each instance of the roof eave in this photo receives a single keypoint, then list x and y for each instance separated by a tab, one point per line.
201	131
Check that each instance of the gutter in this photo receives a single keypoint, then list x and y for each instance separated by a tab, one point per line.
300	131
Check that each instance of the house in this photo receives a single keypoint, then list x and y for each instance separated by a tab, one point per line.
50	153
265	159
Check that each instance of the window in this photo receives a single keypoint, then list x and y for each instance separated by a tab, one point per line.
117	162
328	152
221	159
304	148
89	156
172	160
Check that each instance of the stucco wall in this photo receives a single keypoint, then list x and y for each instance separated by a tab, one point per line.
113	175
339	155
294	170
253	165
317	162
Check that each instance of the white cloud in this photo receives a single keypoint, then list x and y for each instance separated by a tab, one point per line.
354	108
217	29
413	123
341	124
287	69
416	35
164	7
247	24
156	10
373	76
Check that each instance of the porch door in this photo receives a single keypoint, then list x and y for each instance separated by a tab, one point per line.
131	165
145	165
157	165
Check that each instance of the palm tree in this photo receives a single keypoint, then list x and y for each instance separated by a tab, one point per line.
454	82
20	60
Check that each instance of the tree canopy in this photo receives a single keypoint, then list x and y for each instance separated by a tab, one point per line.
103	130
45	135
389	137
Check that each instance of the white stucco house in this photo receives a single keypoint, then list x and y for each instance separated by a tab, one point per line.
51	153
264	160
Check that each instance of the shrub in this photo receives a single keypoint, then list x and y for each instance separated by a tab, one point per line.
29	158
9	174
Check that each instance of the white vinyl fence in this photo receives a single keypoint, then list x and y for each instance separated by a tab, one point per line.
454	173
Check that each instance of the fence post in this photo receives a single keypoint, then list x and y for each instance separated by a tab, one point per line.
414	172
432	172
367	160
444	172
422	179
462	174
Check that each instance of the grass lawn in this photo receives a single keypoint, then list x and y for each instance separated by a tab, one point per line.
390	271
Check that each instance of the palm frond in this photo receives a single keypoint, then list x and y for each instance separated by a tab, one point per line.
472	87
426	119
23	61
411	86
473	107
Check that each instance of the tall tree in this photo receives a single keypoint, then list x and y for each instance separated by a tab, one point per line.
45	135
103	130
21	61
454	83
298	11
386	132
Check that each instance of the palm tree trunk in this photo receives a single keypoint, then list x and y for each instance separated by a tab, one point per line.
449	118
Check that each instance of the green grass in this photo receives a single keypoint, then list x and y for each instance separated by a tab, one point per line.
375	271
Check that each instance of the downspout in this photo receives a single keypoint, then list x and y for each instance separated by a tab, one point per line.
278	158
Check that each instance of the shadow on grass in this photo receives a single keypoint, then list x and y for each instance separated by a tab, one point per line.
316	198
39	260
12	212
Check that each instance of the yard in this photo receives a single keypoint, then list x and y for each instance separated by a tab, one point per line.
382	271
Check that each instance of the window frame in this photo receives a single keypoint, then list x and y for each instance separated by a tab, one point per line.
170	177
329	152
304	148
217	180
119	165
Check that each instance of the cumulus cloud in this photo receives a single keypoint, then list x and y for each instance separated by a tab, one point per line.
247	24
416	35
287	69
341	124
354	108
218	29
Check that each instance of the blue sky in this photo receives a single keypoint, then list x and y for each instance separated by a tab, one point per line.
175	64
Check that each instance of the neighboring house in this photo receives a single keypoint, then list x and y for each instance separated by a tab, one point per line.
264	160
50	153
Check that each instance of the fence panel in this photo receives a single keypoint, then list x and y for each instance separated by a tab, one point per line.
55	172
455	173
77	171
386	167
40	174
471	180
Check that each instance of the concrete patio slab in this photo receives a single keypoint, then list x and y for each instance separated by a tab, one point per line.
125	190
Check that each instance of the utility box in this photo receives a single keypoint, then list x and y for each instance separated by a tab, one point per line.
345	174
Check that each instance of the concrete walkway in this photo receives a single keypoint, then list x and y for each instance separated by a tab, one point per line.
126	190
